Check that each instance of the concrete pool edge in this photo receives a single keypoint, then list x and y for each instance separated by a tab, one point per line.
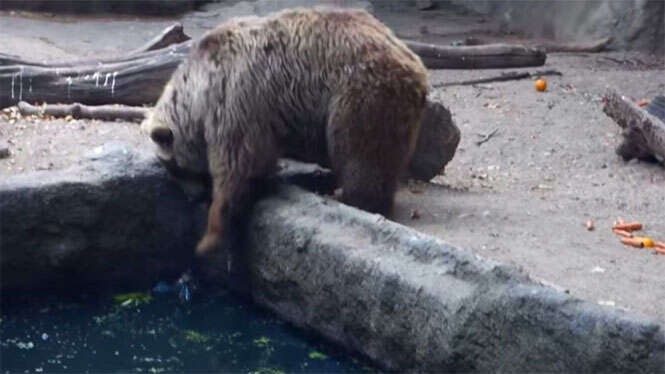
406	300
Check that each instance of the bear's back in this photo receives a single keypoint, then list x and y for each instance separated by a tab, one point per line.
310	41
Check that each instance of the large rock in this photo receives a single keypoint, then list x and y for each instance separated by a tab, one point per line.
437	143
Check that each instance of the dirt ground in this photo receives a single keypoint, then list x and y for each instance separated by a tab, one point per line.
522	197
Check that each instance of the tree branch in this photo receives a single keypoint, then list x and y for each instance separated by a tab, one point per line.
102	112
508	76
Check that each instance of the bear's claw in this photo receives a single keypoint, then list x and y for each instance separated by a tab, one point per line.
208	244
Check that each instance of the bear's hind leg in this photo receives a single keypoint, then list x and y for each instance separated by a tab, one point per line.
370	142
366	186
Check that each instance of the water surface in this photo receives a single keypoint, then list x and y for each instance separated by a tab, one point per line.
144	333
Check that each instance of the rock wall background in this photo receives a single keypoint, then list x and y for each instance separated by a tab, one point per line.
634	24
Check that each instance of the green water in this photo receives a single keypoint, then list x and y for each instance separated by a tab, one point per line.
139	333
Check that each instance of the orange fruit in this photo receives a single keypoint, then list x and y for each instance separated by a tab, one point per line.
541	85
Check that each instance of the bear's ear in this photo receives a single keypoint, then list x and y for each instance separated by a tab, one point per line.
162	135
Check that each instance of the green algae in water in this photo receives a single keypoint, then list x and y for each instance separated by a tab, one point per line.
317	356
195	337
134	298
160	335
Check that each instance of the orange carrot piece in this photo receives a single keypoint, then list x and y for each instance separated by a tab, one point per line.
632	226
647	242
623	233
633	242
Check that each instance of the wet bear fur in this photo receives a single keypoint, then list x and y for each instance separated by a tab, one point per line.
323	85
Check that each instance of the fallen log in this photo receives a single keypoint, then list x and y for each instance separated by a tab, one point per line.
173	34
593	46
102	112
644	133
138	78
132	80
490	56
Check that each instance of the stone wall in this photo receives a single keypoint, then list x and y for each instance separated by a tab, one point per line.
633	24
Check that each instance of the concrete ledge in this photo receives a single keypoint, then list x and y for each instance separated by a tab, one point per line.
113	221
413	302
408	301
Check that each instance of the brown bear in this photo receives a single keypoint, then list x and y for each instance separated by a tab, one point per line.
320	85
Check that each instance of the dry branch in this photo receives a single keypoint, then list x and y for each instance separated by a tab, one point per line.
102	112
508	76
644	134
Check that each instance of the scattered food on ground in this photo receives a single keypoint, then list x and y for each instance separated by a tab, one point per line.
625	229
632	226
633	242
623	233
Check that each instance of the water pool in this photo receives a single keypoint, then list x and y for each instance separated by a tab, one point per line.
144	333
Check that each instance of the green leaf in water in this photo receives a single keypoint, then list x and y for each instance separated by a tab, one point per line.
195	337
316	355
267	371
135	298
261	342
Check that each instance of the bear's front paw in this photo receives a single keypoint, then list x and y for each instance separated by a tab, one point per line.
208	245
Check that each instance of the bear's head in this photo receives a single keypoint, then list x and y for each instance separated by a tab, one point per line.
185	165
161	135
